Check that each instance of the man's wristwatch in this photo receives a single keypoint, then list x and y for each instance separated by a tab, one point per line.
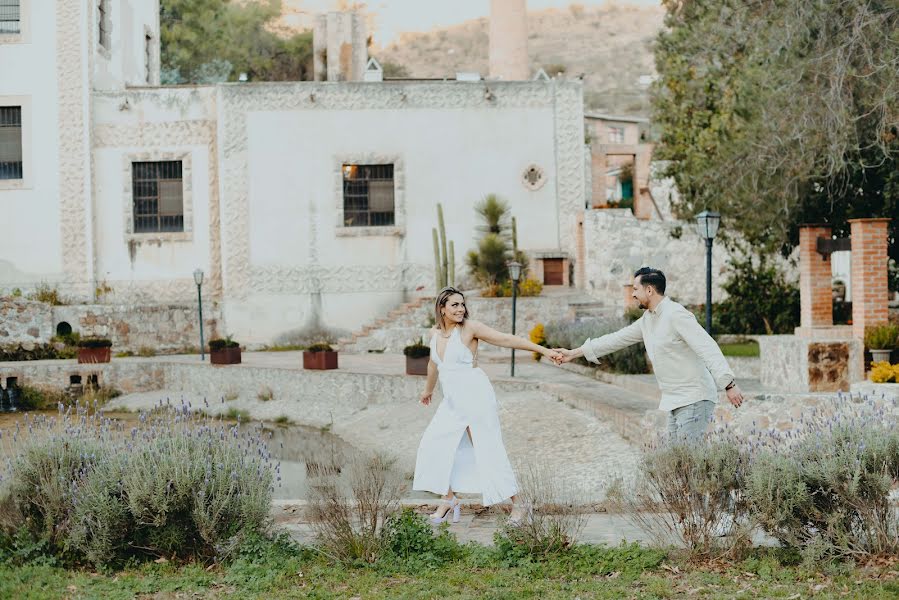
730	385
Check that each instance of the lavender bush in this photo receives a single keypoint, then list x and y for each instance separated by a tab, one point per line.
177	483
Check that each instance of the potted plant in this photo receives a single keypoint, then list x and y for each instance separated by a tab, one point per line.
224	351
94	350
881	340
417	357
320	356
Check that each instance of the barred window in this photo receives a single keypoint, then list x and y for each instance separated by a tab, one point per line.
103	23
10	142
10	16
158	196
368	195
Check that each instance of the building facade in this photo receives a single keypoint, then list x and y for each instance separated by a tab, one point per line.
307	204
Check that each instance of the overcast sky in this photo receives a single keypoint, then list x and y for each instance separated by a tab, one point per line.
396	16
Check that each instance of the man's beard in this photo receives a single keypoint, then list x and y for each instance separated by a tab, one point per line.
641	305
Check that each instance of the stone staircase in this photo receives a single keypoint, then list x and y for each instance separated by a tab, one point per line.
392	332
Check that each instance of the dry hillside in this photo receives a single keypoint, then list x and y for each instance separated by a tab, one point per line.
610	45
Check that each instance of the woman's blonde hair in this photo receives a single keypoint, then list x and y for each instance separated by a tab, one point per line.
442	297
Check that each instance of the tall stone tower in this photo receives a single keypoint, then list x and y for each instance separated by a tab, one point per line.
509	40
339	46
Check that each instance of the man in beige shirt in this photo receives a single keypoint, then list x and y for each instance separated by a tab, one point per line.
688	364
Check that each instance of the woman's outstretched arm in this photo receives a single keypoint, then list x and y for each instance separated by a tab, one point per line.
506	340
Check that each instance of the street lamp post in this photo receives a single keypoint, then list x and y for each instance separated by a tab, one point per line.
707	225
198	279
514	273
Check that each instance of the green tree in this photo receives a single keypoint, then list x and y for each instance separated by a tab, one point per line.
778	112
204	41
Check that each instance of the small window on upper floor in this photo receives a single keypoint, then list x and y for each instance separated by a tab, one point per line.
10	142
103	24
10	17
616	135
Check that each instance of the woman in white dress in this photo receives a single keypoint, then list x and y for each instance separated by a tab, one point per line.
462	448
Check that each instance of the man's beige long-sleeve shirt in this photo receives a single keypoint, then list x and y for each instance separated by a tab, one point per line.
687	362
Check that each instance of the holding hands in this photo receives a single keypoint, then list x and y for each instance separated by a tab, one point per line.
563	355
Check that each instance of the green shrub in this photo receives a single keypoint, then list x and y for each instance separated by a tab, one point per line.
36	352
222	343
320	347
349	517
828	496
686	493
882	337
175	484
49	295
572	334
410	538
417	350
552	523
41	398
760	300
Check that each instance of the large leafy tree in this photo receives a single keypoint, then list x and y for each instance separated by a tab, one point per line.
779	112
216	40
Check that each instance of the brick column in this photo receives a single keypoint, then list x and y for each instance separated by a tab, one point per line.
815	296
870	290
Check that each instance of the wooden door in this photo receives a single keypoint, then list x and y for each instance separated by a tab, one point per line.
552	271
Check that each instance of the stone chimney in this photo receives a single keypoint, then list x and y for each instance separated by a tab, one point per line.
509	40
340	47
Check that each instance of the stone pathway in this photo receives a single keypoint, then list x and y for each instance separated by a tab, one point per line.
479	525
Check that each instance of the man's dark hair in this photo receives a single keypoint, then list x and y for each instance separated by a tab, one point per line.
653	277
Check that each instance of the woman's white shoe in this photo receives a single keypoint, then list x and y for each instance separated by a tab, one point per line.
453	506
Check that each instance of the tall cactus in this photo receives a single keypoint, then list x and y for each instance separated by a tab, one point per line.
451	276
438	270
444	261
442	227
514	238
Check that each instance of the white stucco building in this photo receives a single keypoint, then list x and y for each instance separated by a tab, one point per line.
307	203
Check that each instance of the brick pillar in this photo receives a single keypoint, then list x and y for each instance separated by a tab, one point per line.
815	296
870	291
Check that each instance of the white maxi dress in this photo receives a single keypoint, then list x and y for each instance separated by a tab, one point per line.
446	457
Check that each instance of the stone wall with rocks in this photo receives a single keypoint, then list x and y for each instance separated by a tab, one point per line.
164	328
23	321
617	244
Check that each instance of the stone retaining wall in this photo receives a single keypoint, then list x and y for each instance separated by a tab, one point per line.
163	328
23	321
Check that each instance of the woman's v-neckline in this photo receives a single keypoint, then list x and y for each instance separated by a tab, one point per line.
448	340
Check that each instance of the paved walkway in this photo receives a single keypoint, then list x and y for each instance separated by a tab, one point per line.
479	525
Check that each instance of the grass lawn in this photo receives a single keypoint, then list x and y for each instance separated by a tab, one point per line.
749	348
587	572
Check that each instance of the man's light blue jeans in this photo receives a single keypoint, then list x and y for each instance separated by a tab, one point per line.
689	423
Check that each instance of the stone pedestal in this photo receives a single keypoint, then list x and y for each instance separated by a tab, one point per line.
793	363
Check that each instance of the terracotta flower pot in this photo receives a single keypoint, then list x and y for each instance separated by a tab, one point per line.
320	360
94	355
417	366
225	356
